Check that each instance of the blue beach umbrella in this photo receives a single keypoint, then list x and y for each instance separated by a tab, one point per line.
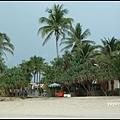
54	85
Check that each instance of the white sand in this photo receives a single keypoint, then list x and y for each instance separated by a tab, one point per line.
60	107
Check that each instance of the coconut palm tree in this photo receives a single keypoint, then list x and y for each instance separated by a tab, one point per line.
5	45
110	46
85	54
36	64
55	23
86	51
75	36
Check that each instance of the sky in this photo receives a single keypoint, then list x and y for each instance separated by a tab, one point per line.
19	20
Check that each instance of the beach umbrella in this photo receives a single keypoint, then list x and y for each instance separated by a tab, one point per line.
54	85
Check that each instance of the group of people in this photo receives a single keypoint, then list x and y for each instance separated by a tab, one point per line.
20	92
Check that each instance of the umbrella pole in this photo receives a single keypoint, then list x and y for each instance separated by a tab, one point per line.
55	91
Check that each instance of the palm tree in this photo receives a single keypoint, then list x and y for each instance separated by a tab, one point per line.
5	45
110	46
26	67
75	36
36	64
67	57
56	23
85	54
86	51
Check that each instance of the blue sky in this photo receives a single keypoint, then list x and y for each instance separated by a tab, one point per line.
19	20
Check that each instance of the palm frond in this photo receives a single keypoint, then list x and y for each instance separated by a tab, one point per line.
66	48
8	44
45	20
85	34
44	30
3	53
48	37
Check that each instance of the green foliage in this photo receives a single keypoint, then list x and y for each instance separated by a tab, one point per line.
75	66
40	89
5	45
117	89
14	78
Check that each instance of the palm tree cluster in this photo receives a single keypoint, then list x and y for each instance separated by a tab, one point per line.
81	63
19	77
85	61
85	65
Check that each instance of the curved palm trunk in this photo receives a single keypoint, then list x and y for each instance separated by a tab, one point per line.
89	86
103	86
85	89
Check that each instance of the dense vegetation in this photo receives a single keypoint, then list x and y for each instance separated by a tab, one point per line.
82	63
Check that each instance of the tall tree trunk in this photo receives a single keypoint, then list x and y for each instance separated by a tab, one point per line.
34	86
3	92
112	84
85	89
68	87
7	92
103	91
34	78
39	77
12	91
57	43
104	87
89	87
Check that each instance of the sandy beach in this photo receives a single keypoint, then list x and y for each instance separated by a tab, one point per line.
60	107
